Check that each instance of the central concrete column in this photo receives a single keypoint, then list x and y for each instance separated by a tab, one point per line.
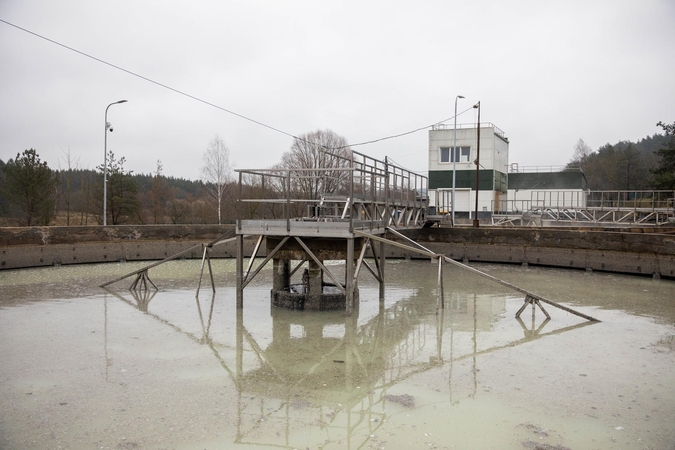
282	275
315	278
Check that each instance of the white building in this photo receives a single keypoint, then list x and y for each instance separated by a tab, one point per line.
532	188
492	173
502	188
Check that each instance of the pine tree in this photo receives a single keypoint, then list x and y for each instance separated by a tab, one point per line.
29	188
664	174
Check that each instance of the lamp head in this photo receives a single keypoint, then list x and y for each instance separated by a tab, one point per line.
460	96
477	105
121	101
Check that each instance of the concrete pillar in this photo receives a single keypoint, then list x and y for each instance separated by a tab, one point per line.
281	278
315	279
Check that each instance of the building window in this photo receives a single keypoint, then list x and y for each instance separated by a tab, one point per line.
461	154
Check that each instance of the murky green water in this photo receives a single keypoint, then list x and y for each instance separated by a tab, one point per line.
85	368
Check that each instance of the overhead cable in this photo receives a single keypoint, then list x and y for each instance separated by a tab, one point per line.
178	91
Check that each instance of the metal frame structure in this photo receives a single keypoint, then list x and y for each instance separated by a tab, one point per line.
378	198
593	207
365	195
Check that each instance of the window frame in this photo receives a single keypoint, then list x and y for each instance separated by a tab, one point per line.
458	153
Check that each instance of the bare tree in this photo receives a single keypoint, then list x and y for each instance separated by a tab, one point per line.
581	153
216	172
320	150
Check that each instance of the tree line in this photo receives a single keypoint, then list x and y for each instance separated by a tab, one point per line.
648	164
33	194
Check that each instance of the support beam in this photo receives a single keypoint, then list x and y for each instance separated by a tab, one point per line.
440	301
247	279
205	257
360	260
254	255
383	259
483	274
240	272
325	270
220	240
349	268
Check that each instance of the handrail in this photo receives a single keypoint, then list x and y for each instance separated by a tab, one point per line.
373	188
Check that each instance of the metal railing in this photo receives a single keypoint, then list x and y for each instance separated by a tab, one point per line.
354	189
639	207
516	168
644	200
445	126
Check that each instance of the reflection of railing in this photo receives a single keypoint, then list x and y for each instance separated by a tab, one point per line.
350	377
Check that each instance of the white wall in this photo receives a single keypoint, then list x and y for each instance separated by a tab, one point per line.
494	151
465	200
524	199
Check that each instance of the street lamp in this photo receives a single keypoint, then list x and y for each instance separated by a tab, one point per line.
105	163
454	162
475	215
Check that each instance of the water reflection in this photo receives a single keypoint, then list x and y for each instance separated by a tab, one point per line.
165	367
342	373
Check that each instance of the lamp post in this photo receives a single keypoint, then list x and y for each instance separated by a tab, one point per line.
475	216
454	162
105	163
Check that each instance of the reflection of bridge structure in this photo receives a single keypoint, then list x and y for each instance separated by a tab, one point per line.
326	369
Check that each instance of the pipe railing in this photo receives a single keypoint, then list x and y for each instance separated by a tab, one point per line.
363	187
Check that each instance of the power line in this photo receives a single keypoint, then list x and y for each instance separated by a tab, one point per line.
406	133
151	80
178	91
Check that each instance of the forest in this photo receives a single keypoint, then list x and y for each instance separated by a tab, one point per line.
627	166
32	193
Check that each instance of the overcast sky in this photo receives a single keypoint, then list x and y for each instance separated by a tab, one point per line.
548	73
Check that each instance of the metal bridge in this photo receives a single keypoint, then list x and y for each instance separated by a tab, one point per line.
588	208
342	195
304	217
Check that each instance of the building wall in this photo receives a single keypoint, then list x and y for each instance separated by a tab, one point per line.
562	198
551	189
547	180
492	178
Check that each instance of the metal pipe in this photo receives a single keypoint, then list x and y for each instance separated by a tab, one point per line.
454	163
105	162
476	223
